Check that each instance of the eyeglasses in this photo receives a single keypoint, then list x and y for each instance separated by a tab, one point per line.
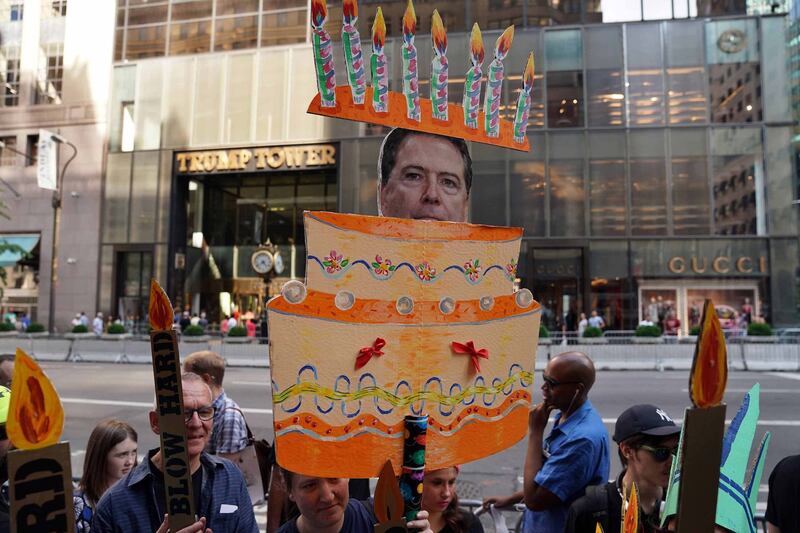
660	454
551	383
205	413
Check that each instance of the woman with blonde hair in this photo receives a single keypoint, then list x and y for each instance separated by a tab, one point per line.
110	455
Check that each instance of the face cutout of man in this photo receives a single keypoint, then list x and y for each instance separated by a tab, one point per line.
424	177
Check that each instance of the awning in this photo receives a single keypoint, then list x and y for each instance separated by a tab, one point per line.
24	241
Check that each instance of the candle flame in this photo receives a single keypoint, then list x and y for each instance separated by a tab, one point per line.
438	34
350	11
36	417
319	12
379	30
710	365
388	499
476	49
160	310
409	20
527	76
631	523
503	44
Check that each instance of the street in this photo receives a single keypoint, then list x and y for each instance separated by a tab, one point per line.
92	391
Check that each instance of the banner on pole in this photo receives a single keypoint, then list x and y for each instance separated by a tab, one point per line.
46	161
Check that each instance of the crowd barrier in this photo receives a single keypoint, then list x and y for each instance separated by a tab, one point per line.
613	351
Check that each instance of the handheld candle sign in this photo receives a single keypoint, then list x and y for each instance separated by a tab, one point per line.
169	407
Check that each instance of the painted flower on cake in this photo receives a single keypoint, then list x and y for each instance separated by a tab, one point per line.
425	271
334	262
382	266
511	269
472	269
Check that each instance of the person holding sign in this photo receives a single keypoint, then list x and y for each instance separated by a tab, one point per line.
136	502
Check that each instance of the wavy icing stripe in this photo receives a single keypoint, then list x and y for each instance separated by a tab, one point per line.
318	391
314	427
336	265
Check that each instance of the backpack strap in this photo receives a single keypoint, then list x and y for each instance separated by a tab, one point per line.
246	425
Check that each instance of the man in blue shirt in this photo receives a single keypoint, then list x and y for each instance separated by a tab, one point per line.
137	502
576	452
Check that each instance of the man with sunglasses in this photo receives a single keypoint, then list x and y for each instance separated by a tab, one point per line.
647	439
222	504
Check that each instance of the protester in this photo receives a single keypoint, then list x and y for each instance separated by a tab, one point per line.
97	324
424	176
783	512
326	507
229	435
647	440
440	499
6	369
110	455
574	455
137	501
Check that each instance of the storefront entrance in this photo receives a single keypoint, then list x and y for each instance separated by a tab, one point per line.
558	286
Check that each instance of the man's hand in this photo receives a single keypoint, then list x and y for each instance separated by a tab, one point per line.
421	523
503	501
537	419
197	527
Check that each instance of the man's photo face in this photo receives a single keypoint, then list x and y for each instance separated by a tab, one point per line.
426	182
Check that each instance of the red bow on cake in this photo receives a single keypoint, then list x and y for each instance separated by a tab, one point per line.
368	352
469	349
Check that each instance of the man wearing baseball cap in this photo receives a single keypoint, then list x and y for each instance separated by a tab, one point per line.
647	440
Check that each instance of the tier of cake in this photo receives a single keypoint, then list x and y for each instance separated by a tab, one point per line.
388	258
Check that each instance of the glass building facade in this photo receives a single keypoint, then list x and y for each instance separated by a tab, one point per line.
661	168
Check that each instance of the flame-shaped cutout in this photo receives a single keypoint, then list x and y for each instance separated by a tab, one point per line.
503	44
378	30
476	50
350	11
319	12
160	310
438	34
631	522
36	417
710	365
409	20
527	76
598	528
388	500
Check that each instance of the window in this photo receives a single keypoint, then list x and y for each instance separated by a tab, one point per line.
689	182
9	76
685	72
737	181
8	158
606	104
128	127
567	196
645	77
190	37
51	74
648	183
16	10
564	63
527	183
236	33
145	41
732	90
607	183
31	149
54	8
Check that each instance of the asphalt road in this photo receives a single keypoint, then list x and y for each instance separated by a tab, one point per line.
92	391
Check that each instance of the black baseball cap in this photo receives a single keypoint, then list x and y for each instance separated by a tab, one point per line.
644	419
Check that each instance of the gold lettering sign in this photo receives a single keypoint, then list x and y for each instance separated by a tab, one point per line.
247	159
720	264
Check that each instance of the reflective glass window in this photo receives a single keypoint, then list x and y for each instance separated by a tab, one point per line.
236	33
286	27
515	63
690	186
567	195
9	75
119	36
190	37
645	77
648	183
492	14
147	15
782	211
144	199
564	99
737	181
147	41
776	85
117	191
236	7
527	187
685	72
191	9
563	50
606	104
488	195
607	196
734	70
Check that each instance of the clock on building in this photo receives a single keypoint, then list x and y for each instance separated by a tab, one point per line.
262	261
732	41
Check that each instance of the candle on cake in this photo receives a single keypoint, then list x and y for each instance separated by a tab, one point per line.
323	54
410	77
524	103
354	59
380	72
439	68
472	85
494	84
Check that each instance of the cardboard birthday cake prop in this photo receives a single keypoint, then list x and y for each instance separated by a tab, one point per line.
407	109
400	317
